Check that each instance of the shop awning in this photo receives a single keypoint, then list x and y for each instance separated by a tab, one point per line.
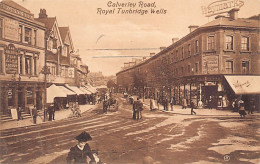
85	90
67	91
244	84
54	91
75	89
90	88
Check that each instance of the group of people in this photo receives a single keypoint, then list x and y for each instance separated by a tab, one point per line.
137	109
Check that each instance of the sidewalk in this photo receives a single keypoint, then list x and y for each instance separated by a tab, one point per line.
177	109
59	115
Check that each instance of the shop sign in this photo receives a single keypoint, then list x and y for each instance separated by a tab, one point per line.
11	59
29	94
221	6
16	11
10	93
11	28
210	64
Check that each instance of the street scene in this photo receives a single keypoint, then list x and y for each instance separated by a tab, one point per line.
175	136
129	82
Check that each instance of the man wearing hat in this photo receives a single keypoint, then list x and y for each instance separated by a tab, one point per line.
80	152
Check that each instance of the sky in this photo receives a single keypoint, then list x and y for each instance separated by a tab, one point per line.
105	42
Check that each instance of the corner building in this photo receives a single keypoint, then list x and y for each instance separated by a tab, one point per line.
22	56
214	63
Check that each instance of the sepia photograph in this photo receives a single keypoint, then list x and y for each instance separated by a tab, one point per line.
129	81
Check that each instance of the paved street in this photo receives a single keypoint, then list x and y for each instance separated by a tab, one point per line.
166	137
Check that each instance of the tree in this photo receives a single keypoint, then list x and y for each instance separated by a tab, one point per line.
111	84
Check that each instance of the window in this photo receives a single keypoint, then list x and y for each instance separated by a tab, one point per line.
211	42
245	67
52	68
64	50
35	37
20	33
229	43
1	28
182	53
189	50
1	61
35	66
229	66
28	35
21	64
245	43
28	65
196	46
196	67
50	44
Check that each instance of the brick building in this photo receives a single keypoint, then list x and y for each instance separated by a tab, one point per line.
214	62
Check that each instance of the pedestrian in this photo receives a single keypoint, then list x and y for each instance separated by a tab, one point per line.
134	109
19	113
192	105
184	103
50	110
251	106
172	103
241	110
210	102
79	152
152	105
139	108
34	114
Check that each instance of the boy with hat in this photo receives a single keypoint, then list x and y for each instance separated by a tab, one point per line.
80	152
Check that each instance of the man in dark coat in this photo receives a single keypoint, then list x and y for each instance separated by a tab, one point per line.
192	106
134	109
80	152
34	114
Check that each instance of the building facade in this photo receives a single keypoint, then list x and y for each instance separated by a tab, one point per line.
197	66
22	56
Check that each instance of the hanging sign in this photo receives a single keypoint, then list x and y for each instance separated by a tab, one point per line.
221	6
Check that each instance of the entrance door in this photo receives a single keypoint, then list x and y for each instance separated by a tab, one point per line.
38	100
210	92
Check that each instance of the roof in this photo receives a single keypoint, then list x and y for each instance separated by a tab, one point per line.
49	22
240	22
63	32
15	5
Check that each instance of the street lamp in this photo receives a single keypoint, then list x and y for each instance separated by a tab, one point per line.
45	71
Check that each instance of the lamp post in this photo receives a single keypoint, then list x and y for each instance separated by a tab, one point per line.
45	71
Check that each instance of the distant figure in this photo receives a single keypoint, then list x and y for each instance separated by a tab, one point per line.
139	108
242	111
51	112
192	107
152	105
172	103
19	113
184	103
34	114
134	109
79	153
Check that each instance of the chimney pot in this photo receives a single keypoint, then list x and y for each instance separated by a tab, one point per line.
42	13
174	40
193	27
233	14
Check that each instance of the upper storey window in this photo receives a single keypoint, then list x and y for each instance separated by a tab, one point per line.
211	42
229	45
245	43
27	35
196	46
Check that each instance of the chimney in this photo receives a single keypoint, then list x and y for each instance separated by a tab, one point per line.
174	40
42	13
193	27
233	14
162	48
220	16
152	54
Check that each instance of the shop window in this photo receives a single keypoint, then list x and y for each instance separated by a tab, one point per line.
245	67
20	33
211	43
245	43
1	61
28	35
229	43
196	46
28	65
229	66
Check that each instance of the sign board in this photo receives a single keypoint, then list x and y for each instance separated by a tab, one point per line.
221	6
11	28
210	64
14	113
11	59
